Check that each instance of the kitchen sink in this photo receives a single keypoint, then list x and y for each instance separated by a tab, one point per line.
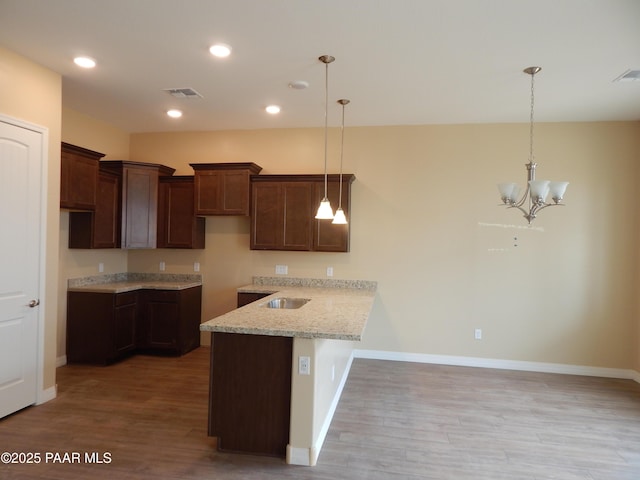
283	302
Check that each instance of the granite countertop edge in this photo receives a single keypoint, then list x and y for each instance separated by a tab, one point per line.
129	282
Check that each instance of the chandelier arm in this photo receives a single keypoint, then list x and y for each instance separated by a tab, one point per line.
524	198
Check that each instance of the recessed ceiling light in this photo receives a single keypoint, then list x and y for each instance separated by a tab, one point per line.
220	50
273	109
298	84
174	113
84	62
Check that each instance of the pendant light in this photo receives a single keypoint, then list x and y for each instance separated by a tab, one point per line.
325	212
340	218
536	190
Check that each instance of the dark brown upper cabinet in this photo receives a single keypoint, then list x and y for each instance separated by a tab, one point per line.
78	177
283	209
139	200
101	227
178	225
223	188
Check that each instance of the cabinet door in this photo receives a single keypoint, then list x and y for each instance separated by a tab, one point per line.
124	323
160	320
223	188
78	177
139	207
107	214
267	217
208	192
327	236
100	228
298	214
281	215
178	227
235	192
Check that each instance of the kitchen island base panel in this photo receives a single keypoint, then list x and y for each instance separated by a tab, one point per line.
250	393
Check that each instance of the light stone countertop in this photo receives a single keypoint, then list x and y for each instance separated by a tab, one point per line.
128	282
334	312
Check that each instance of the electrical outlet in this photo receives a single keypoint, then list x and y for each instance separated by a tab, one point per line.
478	334
329	271
162	266
304	365
282	269
100	267
196	266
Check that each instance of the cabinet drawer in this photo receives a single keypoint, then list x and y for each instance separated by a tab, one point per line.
126	298
172	296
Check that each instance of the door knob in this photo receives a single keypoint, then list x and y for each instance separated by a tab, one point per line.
34	303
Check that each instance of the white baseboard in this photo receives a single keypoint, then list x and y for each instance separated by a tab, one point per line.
47	394
500	364
61	361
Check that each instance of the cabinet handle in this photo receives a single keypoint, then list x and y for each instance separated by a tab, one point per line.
33	303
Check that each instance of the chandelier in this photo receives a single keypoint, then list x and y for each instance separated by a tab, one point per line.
536	192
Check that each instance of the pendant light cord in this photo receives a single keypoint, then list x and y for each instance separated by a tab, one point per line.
326	124
343	102
531	122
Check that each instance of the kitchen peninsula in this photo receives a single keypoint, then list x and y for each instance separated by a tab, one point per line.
277	373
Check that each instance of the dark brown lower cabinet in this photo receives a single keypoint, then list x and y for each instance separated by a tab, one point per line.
101	327
250	393
105	327
245	298
169	320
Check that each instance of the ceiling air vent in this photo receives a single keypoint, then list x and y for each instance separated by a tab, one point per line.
629	76
183	93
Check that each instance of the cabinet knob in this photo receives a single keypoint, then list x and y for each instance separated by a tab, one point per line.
34	303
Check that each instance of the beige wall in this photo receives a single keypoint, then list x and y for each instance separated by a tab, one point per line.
426	226
32	93
86	132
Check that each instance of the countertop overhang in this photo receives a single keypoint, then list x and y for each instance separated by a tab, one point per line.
128	282
335	310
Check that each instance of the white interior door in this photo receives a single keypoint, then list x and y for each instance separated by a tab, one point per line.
21	153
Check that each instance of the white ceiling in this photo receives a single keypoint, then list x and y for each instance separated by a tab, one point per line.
400	62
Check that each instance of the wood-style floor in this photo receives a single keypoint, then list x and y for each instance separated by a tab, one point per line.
395	421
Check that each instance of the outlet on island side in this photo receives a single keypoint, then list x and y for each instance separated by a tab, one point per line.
478	334
304	365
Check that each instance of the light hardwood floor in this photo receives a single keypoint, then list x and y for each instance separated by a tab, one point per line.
395	421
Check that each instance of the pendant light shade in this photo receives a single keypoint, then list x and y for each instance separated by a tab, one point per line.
340	218
325	212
